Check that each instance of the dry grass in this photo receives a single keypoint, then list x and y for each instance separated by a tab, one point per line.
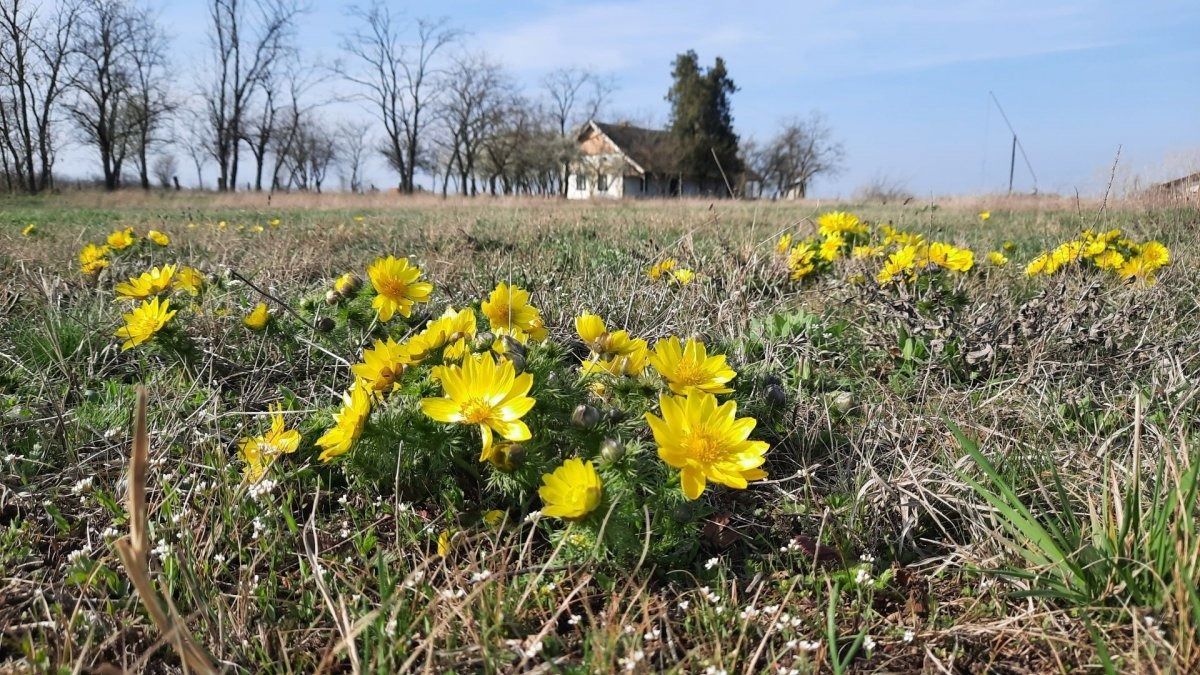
335	573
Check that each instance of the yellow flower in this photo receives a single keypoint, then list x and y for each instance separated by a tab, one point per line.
93	258
1155	254
274	222
572	491
258	317
859	252
508	307
683	276
784	243
382	365
484	393
1138	267
347	284
159	238
444	543
28	230
1008	246
599	340
707	442
951	257
348	423
259	452
902	262
1065	254
1111	259
255	229
802	260
147	284
189	279
688	367
222	225
493	517
121	239
396	283
831	248
1043	264
632	364
997	258
661	268
144	321
358	219
985	215
840	223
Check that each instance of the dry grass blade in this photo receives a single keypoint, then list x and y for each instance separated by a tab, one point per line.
135	552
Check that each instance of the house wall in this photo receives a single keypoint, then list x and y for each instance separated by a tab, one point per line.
592	167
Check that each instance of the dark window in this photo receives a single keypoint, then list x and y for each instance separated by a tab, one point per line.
580	182
602	183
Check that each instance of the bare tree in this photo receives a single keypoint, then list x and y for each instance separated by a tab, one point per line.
35	70
102	83
475	96
798	153
575	96
354	141
195	142
166	170
397	79
310	155
248	38
150	102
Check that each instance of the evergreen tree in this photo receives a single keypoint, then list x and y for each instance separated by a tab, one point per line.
702	120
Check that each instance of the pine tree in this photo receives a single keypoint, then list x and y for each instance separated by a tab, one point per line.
702	120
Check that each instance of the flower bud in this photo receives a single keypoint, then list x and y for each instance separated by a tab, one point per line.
612	450
507	457
840	401
614	415
332	297
484	340
518	361
347	284
775	395
325	324
585	416
513	345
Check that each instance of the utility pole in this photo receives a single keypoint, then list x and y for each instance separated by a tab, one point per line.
1012	163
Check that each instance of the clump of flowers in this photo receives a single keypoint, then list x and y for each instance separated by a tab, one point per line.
144	322
158	238
1108	251
910	260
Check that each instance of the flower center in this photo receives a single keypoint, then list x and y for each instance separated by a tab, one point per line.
392	287
689	372
704	447
476	411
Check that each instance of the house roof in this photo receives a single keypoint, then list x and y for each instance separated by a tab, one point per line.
652	150
1182	181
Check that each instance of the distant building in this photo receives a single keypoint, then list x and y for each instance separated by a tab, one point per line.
1189	184
621	161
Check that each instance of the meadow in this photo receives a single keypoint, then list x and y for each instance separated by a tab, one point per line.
959	460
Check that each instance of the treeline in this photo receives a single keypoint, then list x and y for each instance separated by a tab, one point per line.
100	73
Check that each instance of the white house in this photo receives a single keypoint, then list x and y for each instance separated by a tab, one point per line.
623	161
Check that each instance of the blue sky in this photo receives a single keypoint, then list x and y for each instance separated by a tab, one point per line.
903	84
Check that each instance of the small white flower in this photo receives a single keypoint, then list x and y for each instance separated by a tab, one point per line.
453	593
219	557
574	620
862	577
809	645
478	577
533	516
162	550
713	670
10	458
683	605
711	563
869	643
651	635
82	486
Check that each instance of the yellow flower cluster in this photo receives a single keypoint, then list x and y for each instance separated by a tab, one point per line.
908	261
615	353
259	452
669	270
1110	251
